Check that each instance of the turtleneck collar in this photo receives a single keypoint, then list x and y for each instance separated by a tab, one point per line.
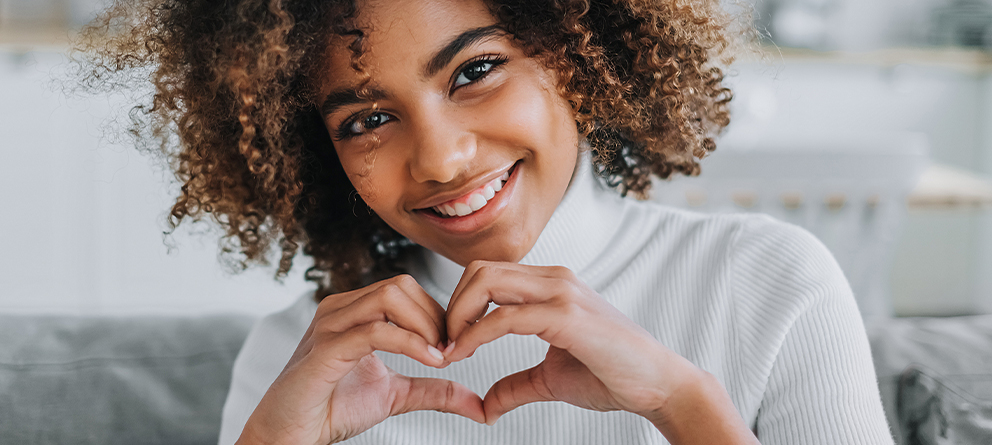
578	231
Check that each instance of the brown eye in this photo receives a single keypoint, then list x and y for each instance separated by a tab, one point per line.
474	71
370	122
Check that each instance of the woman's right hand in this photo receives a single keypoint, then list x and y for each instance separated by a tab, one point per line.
334	387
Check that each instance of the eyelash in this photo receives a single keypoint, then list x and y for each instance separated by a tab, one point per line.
344	130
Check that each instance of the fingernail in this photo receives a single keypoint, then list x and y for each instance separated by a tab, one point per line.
451	347
492	421
435	353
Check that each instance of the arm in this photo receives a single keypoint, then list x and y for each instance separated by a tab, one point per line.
701	412
822	387
819	381
597	358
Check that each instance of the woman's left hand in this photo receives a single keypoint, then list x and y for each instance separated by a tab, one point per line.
598	358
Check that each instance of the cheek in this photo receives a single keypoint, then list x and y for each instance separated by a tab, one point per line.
537	111
360	169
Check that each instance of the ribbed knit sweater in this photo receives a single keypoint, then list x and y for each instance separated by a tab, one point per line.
758	303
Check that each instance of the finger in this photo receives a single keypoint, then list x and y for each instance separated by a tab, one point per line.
474	267
533	319
387	303
421	297
501	283
333	303
515	390
340	351
440	395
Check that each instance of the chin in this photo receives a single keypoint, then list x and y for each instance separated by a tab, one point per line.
510	252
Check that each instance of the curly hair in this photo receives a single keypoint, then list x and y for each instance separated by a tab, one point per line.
234	108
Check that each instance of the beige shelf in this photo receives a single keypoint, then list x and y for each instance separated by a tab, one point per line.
957	58
946	187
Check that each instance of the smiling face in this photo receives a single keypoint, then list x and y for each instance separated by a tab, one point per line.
473	147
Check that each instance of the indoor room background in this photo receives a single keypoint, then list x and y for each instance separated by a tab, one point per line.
881	109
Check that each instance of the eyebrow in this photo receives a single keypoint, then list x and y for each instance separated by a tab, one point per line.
349	96
468	38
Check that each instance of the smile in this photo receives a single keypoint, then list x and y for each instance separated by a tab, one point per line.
472	201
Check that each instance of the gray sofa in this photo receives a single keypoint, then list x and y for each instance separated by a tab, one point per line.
935	377
163	380
107	380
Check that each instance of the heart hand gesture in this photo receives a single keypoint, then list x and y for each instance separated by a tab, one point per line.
334	387
598	358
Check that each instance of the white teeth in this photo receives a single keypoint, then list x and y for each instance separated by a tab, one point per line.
476	202
488	192
462	209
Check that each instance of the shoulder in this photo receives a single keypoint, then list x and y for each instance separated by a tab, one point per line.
280	329
268	348
763	262
785	262
757	246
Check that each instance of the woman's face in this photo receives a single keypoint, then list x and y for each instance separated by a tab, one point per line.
474	147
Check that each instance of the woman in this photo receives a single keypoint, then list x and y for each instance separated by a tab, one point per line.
438	160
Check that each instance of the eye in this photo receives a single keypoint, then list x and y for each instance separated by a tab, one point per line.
476	70
360	126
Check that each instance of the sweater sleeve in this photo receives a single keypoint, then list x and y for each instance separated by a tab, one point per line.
821	386
269	346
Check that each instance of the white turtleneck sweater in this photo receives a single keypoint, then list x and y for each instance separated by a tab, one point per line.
758	303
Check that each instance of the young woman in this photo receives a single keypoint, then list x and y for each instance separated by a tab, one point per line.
455	170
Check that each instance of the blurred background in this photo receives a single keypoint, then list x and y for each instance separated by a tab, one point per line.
867	121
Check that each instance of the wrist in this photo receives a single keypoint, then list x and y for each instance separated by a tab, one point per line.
684	388
699	410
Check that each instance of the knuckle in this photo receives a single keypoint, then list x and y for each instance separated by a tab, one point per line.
329	305
404	279
489	272
376	329
475	265
389	294
562	272
569	310
449	396
392	294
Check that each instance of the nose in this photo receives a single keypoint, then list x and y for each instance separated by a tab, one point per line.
442	149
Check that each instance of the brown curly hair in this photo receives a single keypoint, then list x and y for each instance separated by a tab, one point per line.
234	108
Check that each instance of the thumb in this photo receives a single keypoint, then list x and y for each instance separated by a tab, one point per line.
516	390
439	395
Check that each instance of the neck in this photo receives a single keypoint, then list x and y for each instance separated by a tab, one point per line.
579	230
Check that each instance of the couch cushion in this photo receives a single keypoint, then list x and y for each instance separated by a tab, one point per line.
934	411
115	380
956	351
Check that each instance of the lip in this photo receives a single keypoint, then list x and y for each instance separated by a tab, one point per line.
471	223
442	198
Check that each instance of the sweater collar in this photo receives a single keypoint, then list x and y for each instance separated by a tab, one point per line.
579	230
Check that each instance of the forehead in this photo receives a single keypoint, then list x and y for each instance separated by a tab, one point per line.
400	32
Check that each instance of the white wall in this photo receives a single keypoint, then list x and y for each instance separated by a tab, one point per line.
82	216
943	263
